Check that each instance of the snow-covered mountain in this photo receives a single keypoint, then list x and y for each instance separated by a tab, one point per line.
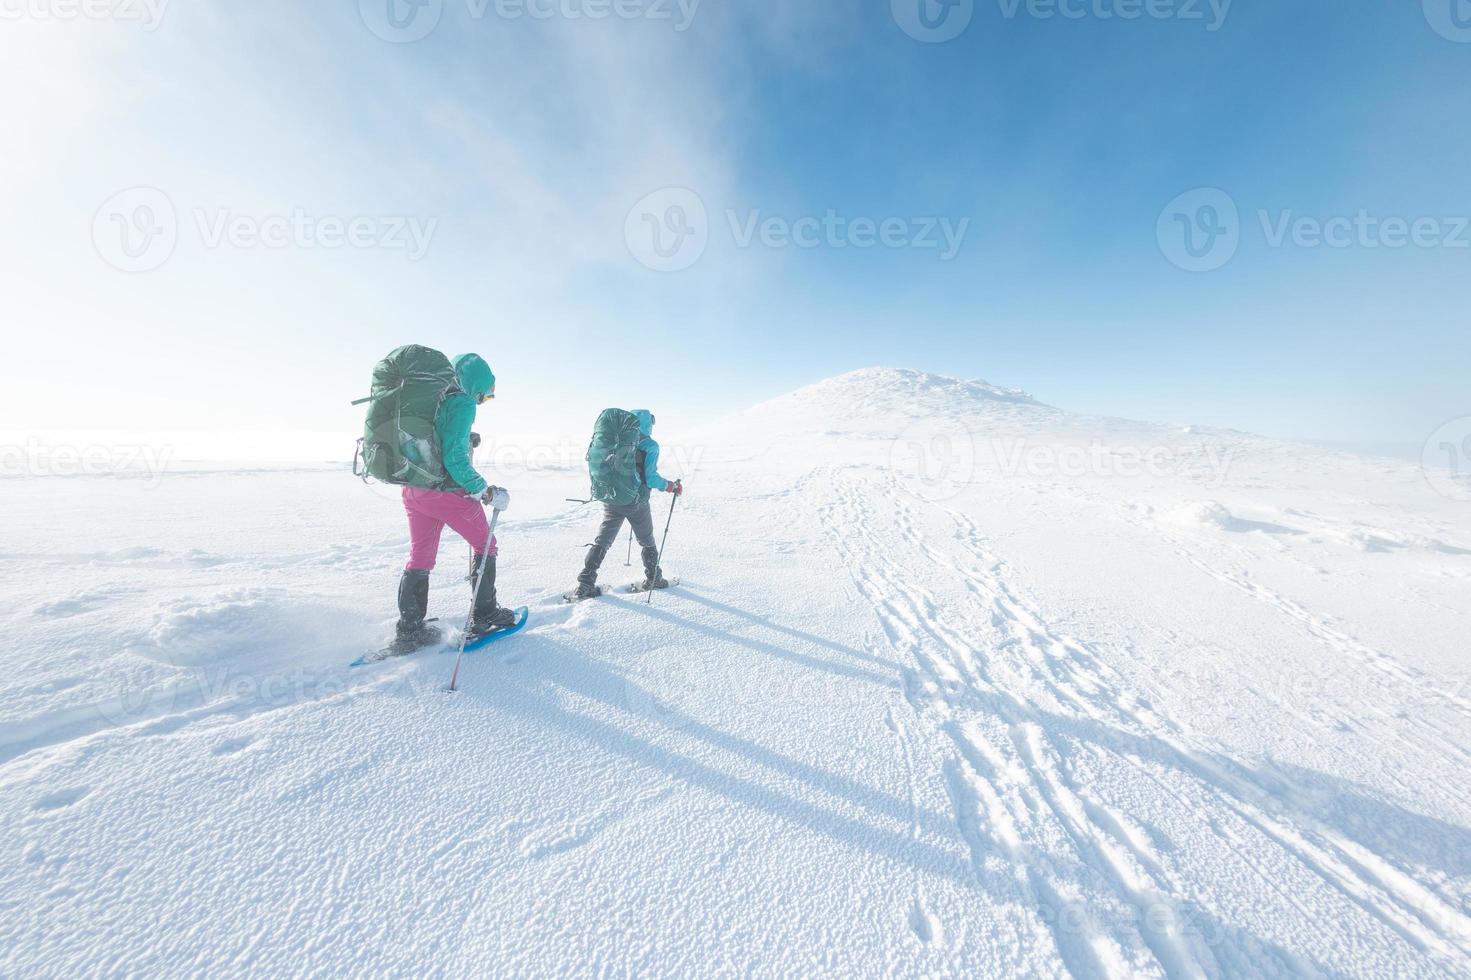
956	683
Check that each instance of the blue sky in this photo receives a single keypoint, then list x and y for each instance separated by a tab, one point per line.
520	145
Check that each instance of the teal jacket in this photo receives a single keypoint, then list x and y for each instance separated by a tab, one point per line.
454	419
648	454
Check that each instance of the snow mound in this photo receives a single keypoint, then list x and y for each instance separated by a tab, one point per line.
1208	513
878	402
906	386
248	629
81	601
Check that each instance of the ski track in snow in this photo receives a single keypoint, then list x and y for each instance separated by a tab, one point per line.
920	764
1012	777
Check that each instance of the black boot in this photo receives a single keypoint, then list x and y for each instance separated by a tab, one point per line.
412	632
652	578
488	616
587	582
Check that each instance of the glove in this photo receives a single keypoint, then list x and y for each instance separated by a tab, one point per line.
474	440
675	487
496	498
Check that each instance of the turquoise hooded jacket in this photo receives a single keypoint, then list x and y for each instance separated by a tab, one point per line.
456	416
650	451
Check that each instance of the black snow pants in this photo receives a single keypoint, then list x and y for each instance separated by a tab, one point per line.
642	520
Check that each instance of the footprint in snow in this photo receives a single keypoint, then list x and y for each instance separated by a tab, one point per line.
543	840
231	746
61	799
926	927
84	600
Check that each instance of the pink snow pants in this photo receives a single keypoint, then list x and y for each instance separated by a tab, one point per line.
429	511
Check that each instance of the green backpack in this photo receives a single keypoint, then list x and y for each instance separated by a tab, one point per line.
612	458
400	442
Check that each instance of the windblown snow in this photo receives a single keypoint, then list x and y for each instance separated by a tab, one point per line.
955	684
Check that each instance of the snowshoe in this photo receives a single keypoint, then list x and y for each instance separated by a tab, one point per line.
488	621
518	617
583	593
405	643
636	588
488	616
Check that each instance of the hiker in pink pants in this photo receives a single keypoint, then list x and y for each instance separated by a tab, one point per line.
459	500
429	511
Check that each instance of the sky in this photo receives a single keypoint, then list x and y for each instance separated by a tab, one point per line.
217	216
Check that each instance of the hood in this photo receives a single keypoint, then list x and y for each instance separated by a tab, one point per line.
474	375
645	420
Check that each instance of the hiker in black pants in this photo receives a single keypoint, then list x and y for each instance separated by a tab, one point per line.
638	476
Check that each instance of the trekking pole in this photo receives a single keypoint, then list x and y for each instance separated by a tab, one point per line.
628	562
454	679
660	560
